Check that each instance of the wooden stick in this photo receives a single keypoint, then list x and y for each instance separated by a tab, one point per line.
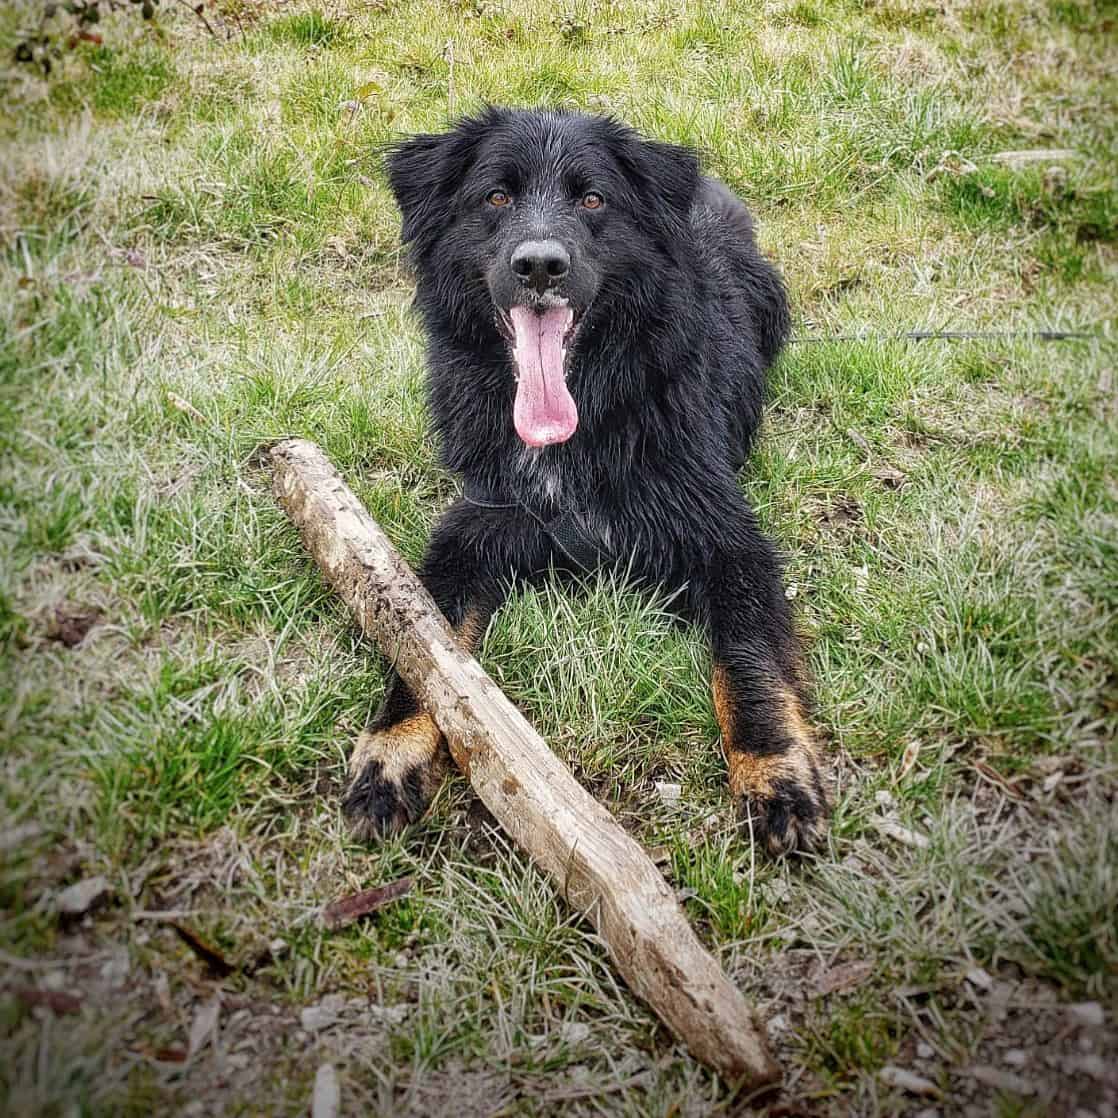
602	872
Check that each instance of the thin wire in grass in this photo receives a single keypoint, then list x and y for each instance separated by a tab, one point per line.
948	335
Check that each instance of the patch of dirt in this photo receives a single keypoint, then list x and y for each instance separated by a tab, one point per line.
1031	1046
70	624
119	995
841	516
1026	1041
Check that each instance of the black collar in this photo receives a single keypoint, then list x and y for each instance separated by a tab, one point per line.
565	530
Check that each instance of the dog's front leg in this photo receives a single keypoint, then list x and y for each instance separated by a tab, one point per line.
776	772
399	762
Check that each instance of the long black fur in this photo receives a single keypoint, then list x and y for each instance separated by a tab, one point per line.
681	317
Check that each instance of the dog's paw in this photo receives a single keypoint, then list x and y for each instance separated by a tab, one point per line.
780	793
784	814
394	775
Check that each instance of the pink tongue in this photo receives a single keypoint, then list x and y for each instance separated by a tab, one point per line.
544	412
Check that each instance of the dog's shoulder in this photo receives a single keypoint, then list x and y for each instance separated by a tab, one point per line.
716	204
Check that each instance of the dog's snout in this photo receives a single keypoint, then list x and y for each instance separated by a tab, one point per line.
540	264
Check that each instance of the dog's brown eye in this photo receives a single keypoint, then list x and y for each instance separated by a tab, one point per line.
592	201
498	198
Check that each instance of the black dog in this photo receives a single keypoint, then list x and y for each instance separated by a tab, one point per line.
599	322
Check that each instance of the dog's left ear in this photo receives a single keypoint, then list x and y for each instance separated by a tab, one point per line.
666	173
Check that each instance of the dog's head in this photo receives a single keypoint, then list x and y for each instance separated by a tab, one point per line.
528	218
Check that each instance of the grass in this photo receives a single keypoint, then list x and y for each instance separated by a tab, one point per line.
199	253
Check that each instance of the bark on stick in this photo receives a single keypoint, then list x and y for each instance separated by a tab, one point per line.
601	871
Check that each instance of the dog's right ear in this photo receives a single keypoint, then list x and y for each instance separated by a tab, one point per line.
424	172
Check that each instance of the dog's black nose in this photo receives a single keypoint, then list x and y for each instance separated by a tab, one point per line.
540	264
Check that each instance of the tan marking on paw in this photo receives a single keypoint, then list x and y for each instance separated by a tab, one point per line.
470	632
414	741
723	704
770	789
757	775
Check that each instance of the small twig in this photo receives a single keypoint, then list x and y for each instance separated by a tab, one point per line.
187	408
200	12
992	776
167	915
216	963
448	54
240	27
16	963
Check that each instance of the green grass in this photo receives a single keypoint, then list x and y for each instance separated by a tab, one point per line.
199	253
307	29
116	83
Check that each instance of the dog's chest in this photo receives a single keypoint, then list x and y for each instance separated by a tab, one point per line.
540	478
547	481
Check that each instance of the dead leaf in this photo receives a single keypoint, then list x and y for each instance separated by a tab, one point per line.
57	1001
843	977
890	827
1001	1080
78	899
203	1026
346	910
908	1081
216	963
327	1096
911	752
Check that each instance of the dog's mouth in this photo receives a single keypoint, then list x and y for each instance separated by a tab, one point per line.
541	338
